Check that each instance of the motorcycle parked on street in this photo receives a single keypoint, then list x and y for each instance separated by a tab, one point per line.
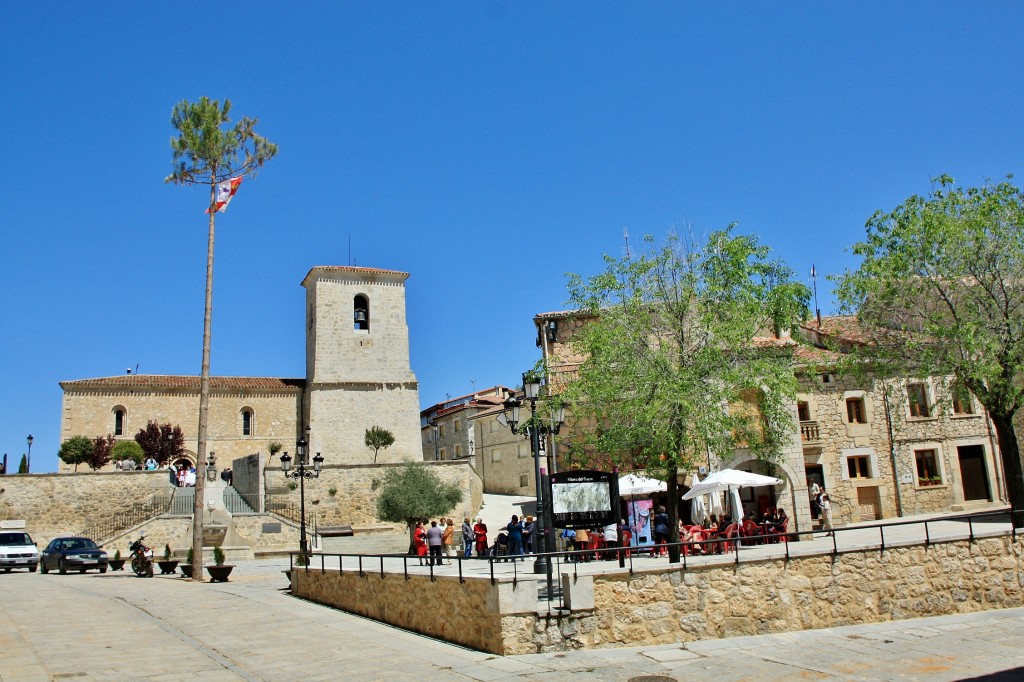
142	558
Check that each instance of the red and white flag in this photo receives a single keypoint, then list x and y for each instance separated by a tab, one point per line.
226	190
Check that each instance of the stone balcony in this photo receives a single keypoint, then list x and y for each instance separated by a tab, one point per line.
810	434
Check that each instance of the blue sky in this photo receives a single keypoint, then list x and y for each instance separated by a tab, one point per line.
487	148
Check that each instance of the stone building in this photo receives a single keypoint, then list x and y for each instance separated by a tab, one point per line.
893	447
357	376
445	428
881	448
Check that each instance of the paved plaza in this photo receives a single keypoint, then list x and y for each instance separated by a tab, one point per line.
119	627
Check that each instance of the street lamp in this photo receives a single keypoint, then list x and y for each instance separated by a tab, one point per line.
302	472
533	429
28	458
437	455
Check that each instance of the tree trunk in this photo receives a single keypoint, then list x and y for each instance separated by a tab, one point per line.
672	490
204	400
1009	451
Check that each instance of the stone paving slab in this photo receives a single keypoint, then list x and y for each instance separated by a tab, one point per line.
164	629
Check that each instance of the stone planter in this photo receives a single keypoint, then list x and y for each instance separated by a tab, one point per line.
117	564
186	570
167	567
219	574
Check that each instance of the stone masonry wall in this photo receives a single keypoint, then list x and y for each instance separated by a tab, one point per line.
673	606
55	504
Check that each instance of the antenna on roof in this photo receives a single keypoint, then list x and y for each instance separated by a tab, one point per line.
472	382
136	368
814	281
625	235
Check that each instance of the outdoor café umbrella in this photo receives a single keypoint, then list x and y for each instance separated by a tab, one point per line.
697	509
726	480
634	484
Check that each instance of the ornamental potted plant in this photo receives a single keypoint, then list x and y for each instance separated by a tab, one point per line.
186	568
168	564
220	571
117	563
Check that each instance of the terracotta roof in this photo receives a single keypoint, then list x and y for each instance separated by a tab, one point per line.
355	271
812	356
190	382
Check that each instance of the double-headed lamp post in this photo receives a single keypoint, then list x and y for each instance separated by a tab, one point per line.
302	472
533	429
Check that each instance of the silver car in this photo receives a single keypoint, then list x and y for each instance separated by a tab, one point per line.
17	550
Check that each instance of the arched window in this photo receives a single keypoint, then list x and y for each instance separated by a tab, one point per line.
361	312
248	426
119	421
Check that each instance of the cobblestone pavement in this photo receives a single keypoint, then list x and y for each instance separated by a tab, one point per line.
119	627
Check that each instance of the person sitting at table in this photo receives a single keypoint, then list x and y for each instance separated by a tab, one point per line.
781	522
751	529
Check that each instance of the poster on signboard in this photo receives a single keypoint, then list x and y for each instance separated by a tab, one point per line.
639	519
583	499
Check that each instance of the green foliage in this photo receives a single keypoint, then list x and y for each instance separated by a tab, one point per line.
274	448
75	451
23	465
940	286
189	557
332	491
670	343
100	455
162	442
207	153
413	491
377	438
127	449
167	552
292	485
300	559
218	556
117	555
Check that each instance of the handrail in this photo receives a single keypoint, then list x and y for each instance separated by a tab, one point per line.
627	553
125	519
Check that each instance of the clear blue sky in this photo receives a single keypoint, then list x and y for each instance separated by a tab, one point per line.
487	148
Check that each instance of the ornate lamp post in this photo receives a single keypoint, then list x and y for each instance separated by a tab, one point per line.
28	458
302	472
533	429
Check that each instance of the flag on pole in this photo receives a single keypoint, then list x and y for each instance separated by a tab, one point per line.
226	190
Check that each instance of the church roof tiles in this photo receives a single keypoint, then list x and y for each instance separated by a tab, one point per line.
187	381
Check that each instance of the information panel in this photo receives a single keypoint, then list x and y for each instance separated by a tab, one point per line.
583	499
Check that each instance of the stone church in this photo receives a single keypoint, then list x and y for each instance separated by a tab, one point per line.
357	376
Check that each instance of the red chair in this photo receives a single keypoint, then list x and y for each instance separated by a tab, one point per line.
731	534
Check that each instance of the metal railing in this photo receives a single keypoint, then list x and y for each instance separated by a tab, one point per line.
715	547
121	521
237	503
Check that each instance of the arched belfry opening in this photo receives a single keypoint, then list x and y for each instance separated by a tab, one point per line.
361	312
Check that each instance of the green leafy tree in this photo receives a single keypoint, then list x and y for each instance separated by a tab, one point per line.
23	465
162	442
377	438
101	449
413	491
207	153
75	451
672	369
127	449
941	282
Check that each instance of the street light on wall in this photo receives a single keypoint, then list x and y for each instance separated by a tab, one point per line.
437	453
302	472
28	458
533	429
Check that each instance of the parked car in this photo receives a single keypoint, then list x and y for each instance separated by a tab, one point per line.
72	553
17	550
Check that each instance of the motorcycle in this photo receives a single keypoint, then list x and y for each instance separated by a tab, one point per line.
142	559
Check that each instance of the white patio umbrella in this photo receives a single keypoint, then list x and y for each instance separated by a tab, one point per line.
727	479
697	508
631	485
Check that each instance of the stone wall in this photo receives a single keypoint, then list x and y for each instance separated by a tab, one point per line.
674	606
55	504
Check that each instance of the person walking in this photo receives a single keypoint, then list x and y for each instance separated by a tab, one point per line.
825	503
480	535
467	538
446	539
419	541
661	532
515	537
434	544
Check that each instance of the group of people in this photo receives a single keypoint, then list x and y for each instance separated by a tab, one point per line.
431	538
821	505
129	464
183	477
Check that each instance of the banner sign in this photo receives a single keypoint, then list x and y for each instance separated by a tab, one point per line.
583	499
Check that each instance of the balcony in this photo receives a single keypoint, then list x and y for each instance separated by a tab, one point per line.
809	432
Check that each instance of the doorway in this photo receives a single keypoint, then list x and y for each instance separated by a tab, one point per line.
973	477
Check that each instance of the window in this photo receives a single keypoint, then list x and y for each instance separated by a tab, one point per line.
927	462
119	421
803	410
458	451
458	425
522	450
444	454
495	425
917	395
524	480
247	425
855	412
826	378
962	402
858	466
495	455
361	313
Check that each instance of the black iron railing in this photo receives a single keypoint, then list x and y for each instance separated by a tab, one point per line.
121	521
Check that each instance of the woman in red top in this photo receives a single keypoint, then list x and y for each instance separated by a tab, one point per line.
480	534
419	539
